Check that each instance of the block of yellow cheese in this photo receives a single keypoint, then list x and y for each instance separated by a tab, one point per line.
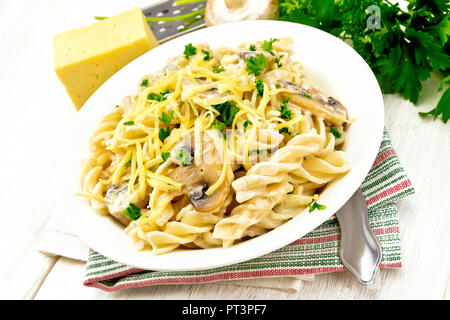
85	58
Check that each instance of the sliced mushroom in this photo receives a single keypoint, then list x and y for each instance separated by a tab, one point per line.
224	11
120	199
330	109
244	55
197	178
212	93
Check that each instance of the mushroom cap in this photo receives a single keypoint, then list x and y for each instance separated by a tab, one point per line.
224	11
120	199
309	98
198	177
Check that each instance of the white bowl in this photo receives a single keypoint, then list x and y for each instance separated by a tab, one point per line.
329	63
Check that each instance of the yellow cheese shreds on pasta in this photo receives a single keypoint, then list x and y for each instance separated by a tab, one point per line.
225	168
211	104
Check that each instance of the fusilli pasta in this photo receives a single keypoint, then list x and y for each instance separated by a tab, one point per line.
217	147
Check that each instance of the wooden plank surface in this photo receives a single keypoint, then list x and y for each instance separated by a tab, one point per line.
36	110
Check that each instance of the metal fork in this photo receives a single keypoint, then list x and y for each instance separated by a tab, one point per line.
360	250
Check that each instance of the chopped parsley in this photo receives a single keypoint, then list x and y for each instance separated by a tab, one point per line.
132	211
252	47
285	112
219	70
227	111
184	156
117	106
307	95
128	123
126	164
335	132
246	124
189	50
267	46
166	118
277	85
313	206
218	125
255	65
144	83
285	130
158	97
163	134
260	87
207	57
278	61
165	156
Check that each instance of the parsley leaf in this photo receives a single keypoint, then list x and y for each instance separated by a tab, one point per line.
227	111
144	83
252	47
207	57
157	97
132	211
184	156
313	206
165	156
443	108
166	118
128	123
285	130
285	112
259	87
163	134
218	70
255	65
267	46
246	124
278	61
218	125
335	132
189	50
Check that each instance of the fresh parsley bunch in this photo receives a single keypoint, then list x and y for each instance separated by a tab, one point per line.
403	48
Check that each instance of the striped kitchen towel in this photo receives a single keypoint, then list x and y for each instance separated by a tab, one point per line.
317	252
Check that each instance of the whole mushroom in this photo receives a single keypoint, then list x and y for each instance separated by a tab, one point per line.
224	11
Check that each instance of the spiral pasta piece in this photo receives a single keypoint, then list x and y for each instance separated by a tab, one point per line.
266	185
